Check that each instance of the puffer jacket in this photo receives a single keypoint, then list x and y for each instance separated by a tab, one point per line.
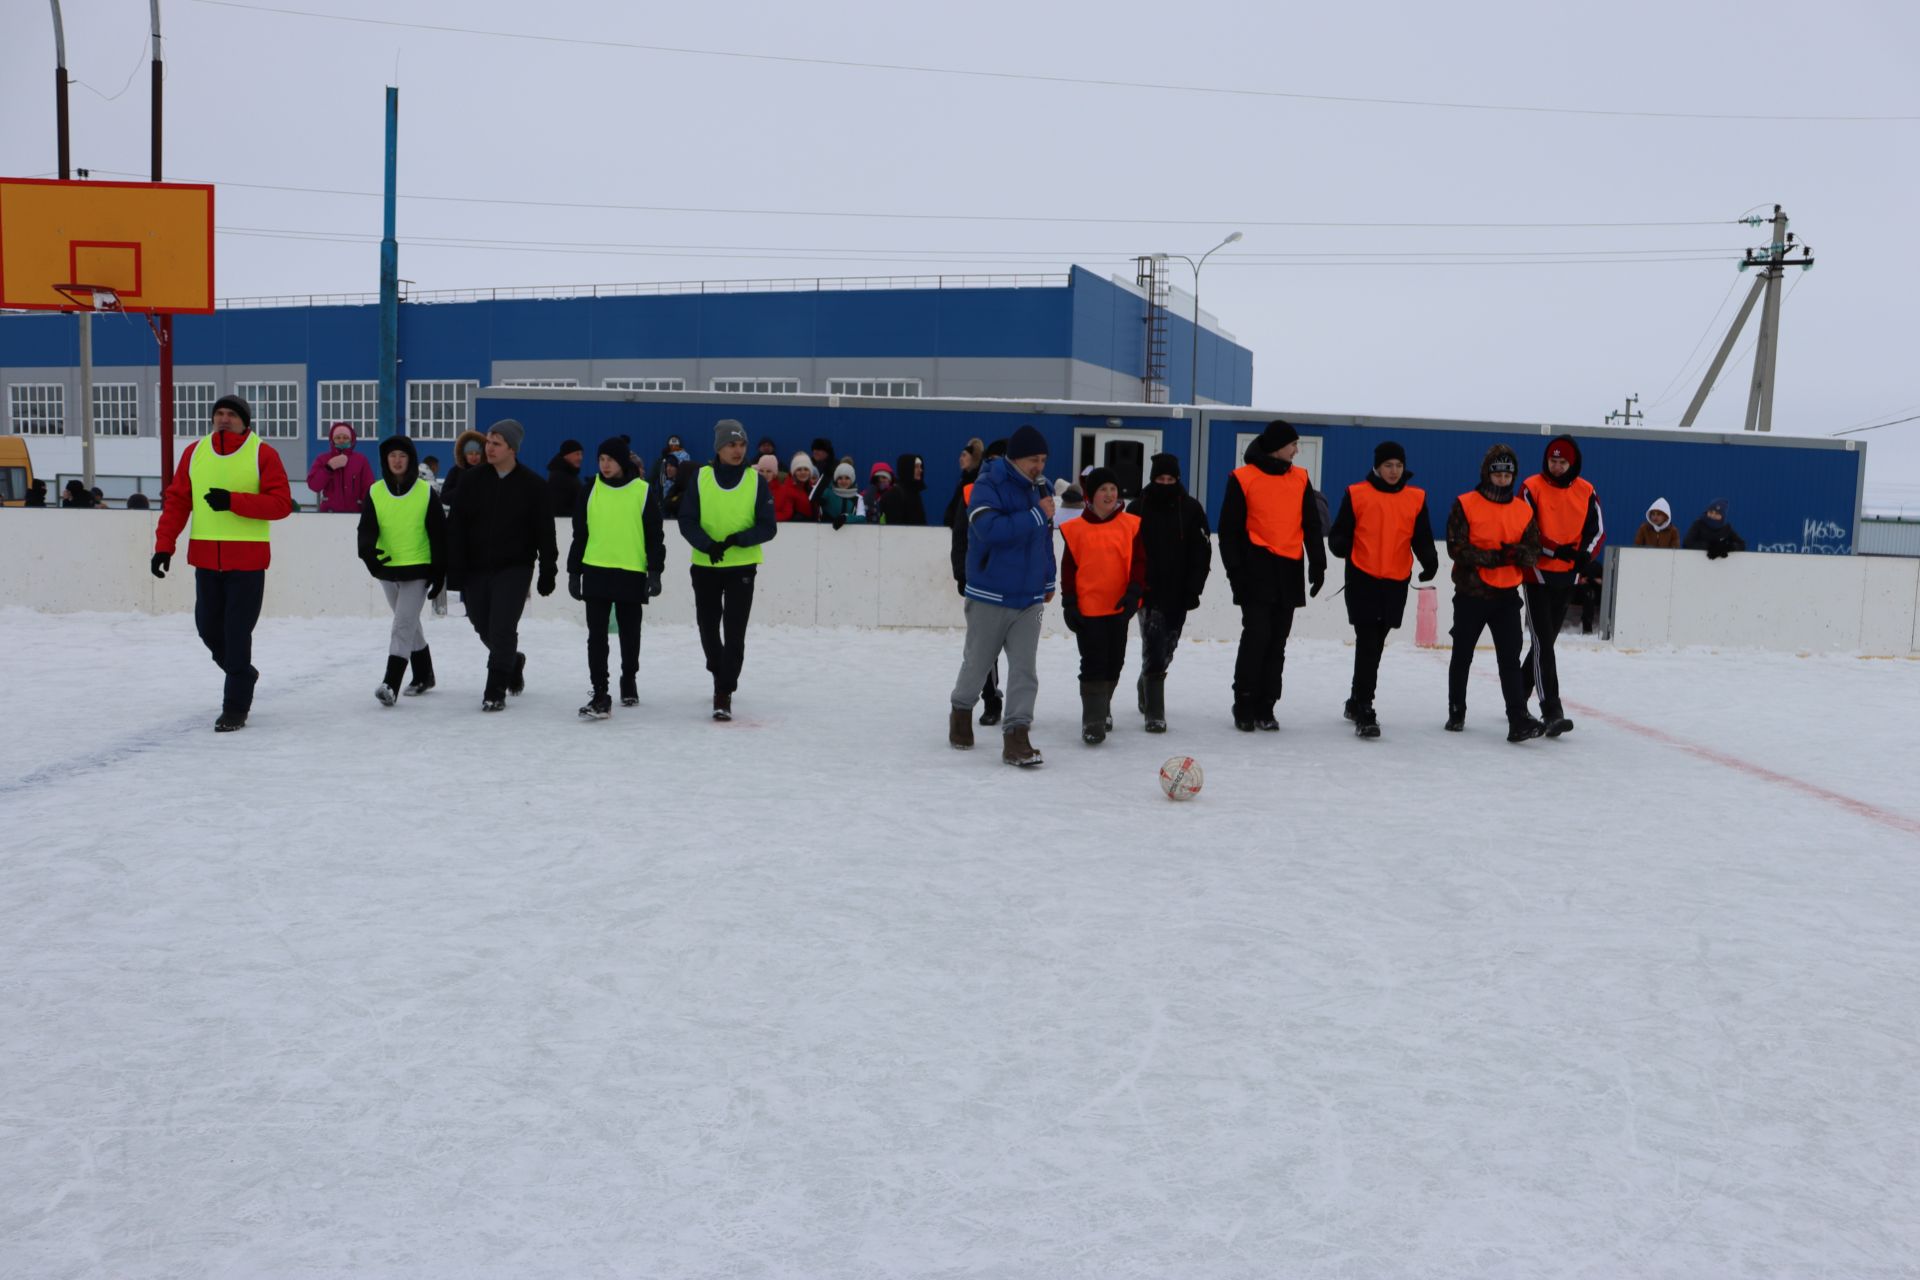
1010	559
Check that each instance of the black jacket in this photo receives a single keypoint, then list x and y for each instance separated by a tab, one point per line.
955	518
601	583
902	503
1371	599
500	522
1715	537
563	487
1178	546
1257	575
369	531
764	526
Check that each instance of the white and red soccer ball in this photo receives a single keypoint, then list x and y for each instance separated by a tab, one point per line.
1181	778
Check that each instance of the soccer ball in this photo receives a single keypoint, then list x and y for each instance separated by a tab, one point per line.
1180	778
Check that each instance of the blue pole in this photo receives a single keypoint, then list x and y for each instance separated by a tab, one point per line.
390	281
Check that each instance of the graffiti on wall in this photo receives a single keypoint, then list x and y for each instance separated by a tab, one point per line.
1817	538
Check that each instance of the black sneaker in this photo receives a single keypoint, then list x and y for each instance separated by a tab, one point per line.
990	713
1348	710
723	706
1243	720
598	707
386	694
629	691
1524	729
1556	722
1456	719
1365	723
1265	723
517	682
229	721
494	699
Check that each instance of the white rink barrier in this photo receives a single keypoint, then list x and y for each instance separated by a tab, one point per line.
866	576
1761	600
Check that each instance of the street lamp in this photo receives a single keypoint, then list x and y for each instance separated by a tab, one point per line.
1193	373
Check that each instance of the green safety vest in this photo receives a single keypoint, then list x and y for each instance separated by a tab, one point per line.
237	472
616	537
725	511
403	523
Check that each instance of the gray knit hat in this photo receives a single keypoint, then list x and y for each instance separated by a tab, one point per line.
728	431
510	431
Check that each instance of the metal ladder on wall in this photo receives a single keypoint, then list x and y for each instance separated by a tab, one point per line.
1151	275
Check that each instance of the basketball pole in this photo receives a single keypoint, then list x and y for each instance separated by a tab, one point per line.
164	329
63	142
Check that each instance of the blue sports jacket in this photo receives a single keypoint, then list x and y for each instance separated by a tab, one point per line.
1009	539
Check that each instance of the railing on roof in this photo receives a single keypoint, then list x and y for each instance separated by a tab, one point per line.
806	284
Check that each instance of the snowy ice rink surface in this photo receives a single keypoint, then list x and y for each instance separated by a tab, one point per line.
422	992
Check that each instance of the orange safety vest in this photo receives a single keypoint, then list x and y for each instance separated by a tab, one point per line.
966	494
1102	561
1492	525
1383	529
1562	514
1273	509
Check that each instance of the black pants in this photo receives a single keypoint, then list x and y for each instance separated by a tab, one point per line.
1501	615
1547	604
1369	642
1103	647
495	601
722	603
1262	661
1159	636
627	613
225	607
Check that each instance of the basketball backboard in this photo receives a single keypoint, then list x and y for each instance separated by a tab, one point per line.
65	244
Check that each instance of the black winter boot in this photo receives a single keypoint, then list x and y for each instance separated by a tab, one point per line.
991	707
1524	728
517	682
422	662
598	707
1154	698
388	690
629	691
1093	728
1140	693
1365	723
1556	721
1456	717
723	706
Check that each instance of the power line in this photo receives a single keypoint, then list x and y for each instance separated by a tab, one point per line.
953	217
1876	426
1038	77
1675	383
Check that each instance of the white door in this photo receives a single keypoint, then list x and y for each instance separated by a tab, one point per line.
1125	453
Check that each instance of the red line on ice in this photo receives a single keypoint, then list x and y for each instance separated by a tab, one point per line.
1887	817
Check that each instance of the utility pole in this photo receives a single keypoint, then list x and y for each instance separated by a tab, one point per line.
1627	415
389	407
1773	261
162	324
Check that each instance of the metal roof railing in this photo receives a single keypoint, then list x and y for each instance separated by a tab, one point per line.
798	284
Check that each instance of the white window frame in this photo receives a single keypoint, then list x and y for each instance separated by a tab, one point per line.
354	401
540	382
428	397
193	407
755	386
116	408
884	387
1307	459
276	408
37	408
643	384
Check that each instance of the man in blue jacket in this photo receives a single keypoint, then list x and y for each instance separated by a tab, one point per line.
1010	577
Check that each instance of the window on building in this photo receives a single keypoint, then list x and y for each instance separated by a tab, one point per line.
644	384
355	403
116	408
873	386
276	408
193	407
37	408
440	410
540	382
756	386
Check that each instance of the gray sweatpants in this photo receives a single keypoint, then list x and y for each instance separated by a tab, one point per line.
405	599
990	629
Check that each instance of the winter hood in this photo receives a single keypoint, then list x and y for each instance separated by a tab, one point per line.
405	482
1569	445
1493	455
460	447
1660	505
353	437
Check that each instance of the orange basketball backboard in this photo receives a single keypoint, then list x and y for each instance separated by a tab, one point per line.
151	243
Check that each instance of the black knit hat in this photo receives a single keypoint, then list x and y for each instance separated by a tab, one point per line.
1026	442
1097	477
234	403
1164	464
996	449
1278	435
569	446
620	449
1388	451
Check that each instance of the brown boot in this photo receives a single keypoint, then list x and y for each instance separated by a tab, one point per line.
1015	749
960	728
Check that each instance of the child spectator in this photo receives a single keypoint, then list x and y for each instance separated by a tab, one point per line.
842	504
1712	534
1657	529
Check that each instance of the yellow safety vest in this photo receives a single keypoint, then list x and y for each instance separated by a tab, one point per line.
616	535
403	523
725	511
237	472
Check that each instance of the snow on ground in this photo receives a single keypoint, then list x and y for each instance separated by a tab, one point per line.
426	992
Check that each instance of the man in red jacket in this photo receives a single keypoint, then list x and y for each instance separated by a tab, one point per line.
230	488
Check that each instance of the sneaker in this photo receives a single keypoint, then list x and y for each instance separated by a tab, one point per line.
1456	718
230	721
1348	710
386	694
723	706
1524	729
517	682
1365	723
493	704
1242	719
1265	723
629	691
598	707
990	713
1556	721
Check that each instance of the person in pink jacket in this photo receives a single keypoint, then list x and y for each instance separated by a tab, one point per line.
340	476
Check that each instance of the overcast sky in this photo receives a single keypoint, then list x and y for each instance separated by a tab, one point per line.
1007	173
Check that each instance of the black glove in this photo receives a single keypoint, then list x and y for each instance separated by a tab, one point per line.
1130	601
1716	553
718	553
381	556
839	522
1315	581
961	587
220	499
545	585
435	586
735	540
1071	616
1427	572
162	561
573	587
653	585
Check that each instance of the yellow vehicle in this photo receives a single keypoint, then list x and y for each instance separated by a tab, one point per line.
16	471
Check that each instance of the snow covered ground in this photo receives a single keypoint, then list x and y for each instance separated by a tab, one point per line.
424	992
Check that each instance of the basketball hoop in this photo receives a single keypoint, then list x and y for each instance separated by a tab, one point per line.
91	297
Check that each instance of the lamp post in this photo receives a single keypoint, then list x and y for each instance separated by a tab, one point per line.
1193	373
